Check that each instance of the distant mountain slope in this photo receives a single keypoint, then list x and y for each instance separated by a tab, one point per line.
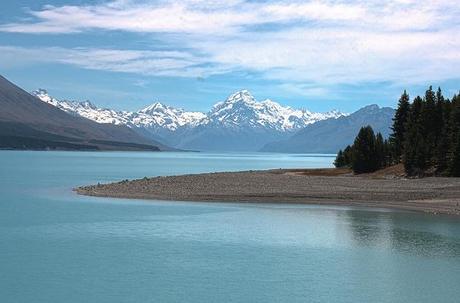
26	122
328	136
238	123
242	110
157	121
241	123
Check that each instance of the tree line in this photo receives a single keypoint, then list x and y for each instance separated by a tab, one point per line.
425	139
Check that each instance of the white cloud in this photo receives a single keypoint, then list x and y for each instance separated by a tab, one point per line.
306	90
320	41
133	17
315	10
205	16
156	63
343	56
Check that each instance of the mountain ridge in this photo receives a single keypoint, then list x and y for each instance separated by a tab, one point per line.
239	116
28	123
239	123
329	136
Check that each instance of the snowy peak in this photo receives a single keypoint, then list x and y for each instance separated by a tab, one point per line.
238	99
42	94
239	111
155	107
163	116
154	116
87	104
242	110
84	109
243	96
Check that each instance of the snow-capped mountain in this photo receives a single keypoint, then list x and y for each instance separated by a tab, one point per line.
160	115
241	123
156	115
238	123
85	109
242	110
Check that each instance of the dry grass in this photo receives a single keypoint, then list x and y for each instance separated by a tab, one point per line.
395	171
325	172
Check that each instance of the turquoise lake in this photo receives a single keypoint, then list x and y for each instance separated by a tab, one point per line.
56	246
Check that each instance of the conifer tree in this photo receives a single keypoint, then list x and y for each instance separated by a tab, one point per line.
439	114
414	151
443	108
454	138
348	155
399	126
339	160
364	159
425	137
454	167
379	151
344	158
387	152
429	126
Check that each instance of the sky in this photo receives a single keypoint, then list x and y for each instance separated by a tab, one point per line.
319	55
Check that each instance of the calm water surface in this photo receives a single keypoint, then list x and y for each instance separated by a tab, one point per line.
56	246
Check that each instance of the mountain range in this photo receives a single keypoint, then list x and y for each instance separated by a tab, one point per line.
28	123
331	135
240	123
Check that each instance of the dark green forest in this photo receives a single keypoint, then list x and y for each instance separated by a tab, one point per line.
425	139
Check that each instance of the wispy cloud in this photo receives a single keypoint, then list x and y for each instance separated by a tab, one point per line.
348	56
204	16
316	41
171	16
156	63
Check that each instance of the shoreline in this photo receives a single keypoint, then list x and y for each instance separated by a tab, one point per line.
338	187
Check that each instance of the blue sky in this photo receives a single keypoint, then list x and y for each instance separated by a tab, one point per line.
320	55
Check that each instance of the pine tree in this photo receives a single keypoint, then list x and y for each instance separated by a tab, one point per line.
414	150
348	155
454	138
443	107
454	167
439	114
344	158
425	137
429	126
387	152
364	159
339	160
399	126
379	151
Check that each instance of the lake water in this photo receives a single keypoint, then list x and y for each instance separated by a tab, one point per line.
56	246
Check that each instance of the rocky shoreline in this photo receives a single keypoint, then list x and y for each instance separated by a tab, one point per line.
312	186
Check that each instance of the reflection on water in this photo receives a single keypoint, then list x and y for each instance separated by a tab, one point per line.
406	232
